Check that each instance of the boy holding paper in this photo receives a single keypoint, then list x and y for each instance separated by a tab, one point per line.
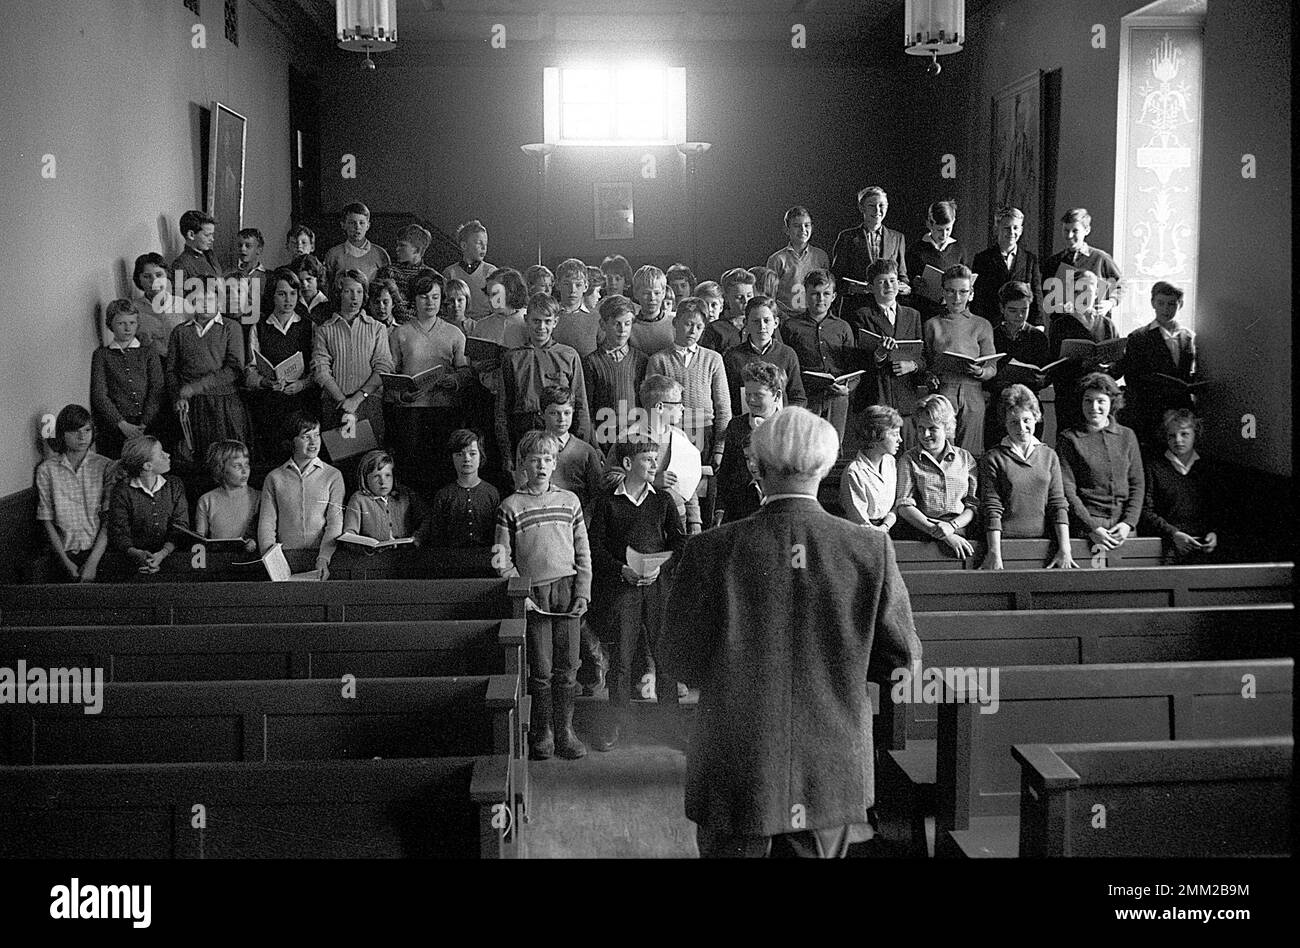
634	526
890	335
954	342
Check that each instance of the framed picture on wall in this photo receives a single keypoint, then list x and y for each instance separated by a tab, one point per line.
1016	157
225	192
614	217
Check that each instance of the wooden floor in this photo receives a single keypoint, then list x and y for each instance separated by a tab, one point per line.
622	804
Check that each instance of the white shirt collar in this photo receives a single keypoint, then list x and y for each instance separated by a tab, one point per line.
1179	466
158	485
621	491
1173	332
950	239
133	344
284	330
203	330
314	463
1022	453
768	500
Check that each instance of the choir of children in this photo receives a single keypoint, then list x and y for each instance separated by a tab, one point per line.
550	369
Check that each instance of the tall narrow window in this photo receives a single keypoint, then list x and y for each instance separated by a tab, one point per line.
633	104
1158	159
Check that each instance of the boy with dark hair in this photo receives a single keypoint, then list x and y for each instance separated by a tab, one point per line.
356	252
578	326
761	345
637	517
196	260
728	329
1077	256
1021	342
408	258
525	371
1158	367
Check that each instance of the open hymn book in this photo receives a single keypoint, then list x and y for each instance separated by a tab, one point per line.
290	370
372	543
403	384
835	379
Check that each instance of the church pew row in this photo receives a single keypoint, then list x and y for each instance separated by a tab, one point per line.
978	780
213	721
256	602
400	600
210	721
242	652
906	732
1125	588
317	809
1159	798
234	652
914	555
1086	637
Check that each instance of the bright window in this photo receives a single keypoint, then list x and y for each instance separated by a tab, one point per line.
632	104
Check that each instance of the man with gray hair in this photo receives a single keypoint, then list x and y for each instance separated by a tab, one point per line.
780	619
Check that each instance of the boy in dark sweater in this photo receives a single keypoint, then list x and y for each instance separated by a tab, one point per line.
1183	501
761	346
633	515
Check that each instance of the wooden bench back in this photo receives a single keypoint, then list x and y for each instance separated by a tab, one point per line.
252	602
173	722
1126	588
1030	554
976	775
1181	798
319	809
1086	637
232	652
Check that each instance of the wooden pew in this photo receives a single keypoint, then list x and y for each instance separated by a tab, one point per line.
1087	637
398	600
320	809
978	782
204	603
1161	798
906	733
1125	588
237	652
916	555
211	721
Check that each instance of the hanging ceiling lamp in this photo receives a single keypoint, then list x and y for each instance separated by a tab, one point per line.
934	28
366	26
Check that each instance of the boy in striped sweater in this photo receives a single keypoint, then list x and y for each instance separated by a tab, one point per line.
541	534
613	373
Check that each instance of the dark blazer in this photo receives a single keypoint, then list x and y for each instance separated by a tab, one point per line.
1147	397
852	254
993	273
779	619
880	386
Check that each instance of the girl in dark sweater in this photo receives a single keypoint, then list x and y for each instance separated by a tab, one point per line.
126	381
1101	468
282	333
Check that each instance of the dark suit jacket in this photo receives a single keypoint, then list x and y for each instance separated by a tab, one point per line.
1147	397
779	619
852	254
880	386
993	272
